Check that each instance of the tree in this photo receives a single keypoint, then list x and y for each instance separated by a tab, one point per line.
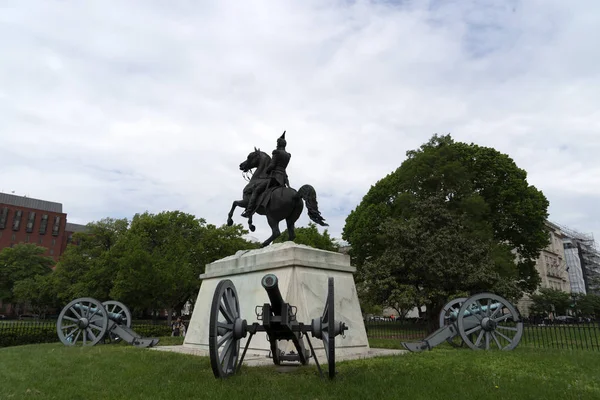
310	236
401	298
162	255
38	292
218	242
587	305
156	260
452	218
438	253
89	268
549	301
23	261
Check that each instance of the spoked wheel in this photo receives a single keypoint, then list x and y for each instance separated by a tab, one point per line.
83	321
449	315
226	329
122	314
327	328
487	321
329	337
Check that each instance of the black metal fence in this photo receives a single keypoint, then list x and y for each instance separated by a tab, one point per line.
14	332
543	335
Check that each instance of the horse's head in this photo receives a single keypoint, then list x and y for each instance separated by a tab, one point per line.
252	161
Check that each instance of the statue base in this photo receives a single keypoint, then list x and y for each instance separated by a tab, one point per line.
303	273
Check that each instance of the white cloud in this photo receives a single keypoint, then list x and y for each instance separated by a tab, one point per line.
114	108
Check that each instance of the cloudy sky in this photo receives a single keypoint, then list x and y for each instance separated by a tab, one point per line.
117	107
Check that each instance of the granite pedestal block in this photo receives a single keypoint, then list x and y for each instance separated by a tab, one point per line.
303	274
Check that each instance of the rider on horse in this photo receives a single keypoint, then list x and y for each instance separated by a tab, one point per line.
277	175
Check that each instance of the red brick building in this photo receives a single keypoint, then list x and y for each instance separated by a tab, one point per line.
41	222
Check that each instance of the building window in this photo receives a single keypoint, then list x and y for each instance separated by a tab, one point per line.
53	242
13	237
17	220
40	240
27	239
56	226
43	224
30	222
3	217
51	252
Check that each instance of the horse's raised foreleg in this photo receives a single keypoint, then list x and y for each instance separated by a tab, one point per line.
236	203
275	233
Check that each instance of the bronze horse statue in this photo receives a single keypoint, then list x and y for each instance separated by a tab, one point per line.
279	203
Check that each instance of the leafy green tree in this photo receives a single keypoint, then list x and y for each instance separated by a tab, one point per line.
438	254
380	290
89	268
586	305
157	260
402	298
38	292
447	221
149	263
160	258
550	300
310	236
23	261
218	242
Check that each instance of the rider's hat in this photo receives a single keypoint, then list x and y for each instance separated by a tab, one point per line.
281	139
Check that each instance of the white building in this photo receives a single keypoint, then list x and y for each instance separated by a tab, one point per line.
551	265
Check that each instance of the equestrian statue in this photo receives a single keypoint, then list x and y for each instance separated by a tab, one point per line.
268	193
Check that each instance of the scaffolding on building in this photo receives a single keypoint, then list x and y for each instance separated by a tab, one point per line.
583	260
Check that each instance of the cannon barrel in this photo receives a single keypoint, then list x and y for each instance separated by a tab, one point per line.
271	285
478	310
112	316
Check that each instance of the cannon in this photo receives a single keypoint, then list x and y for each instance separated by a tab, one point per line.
279	322
482	322
87	321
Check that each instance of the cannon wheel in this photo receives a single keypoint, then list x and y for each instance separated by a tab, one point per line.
446	318
502	326
86	326
225	330
328	328
113	306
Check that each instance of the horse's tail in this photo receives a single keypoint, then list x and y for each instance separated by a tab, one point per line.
308	194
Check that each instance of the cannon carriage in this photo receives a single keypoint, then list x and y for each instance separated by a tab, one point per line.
484	321
279	322
86	321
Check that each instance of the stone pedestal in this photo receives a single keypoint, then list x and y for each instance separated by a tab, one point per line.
303	273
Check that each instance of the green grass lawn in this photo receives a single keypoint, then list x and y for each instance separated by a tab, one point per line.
53	371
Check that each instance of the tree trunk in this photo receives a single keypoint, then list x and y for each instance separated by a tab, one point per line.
170	316
433	312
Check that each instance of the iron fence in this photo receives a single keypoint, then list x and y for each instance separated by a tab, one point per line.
15	332
544	335
576	336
